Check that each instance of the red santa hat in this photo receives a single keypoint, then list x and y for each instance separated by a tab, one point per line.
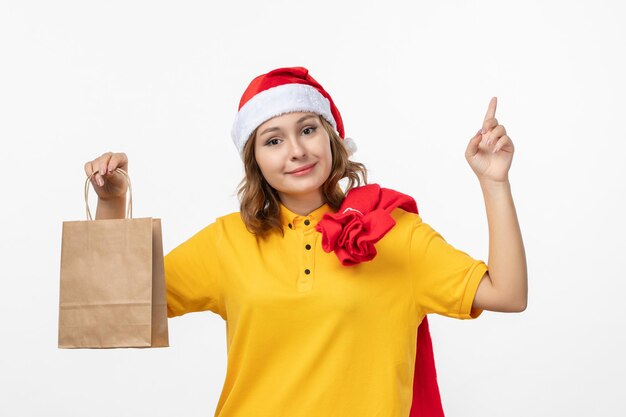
280	91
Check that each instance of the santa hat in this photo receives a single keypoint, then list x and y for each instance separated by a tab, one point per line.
280	91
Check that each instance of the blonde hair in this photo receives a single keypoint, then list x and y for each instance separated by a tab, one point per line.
259	202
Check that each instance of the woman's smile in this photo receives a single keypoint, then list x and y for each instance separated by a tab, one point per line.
302	170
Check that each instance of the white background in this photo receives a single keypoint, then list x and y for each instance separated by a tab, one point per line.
161	81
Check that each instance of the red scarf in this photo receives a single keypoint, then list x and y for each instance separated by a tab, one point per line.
362	220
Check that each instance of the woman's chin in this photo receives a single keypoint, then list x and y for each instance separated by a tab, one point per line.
302	189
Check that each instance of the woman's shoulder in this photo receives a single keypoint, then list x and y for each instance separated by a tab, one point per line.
230	218
229	223
405	219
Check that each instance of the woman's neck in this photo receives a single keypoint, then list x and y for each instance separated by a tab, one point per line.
302	204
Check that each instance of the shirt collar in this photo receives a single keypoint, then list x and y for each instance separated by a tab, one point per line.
293	221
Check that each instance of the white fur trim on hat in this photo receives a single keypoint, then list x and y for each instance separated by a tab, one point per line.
275	101
350	146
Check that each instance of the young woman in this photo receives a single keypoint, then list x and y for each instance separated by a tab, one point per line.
323	292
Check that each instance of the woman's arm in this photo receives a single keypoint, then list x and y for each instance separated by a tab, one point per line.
505	287
490	152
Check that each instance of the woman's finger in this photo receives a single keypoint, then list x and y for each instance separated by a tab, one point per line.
103	162
502	142
91	172
88	168
472	146
101	179
489	124
118	160
491	110
495	134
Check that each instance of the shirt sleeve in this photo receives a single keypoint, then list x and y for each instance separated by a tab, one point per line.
445	278
192	276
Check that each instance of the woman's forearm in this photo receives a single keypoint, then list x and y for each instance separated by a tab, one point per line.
507	258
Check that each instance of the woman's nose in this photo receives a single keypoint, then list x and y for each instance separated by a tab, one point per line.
296	149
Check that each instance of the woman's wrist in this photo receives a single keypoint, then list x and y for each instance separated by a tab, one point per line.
112	208
495	187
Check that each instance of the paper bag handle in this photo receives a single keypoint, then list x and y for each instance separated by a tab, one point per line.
129	209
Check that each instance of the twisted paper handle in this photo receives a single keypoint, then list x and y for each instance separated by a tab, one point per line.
129	209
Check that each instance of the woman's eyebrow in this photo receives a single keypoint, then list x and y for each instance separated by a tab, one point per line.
300	120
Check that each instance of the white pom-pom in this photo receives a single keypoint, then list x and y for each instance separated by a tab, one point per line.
350	145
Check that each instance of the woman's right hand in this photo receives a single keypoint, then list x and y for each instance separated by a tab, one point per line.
109	185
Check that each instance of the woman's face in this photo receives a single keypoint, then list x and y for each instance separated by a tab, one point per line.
294	155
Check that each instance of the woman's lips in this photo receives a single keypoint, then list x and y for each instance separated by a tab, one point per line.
302	171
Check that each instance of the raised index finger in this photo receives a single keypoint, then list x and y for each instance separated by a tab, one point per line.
491	110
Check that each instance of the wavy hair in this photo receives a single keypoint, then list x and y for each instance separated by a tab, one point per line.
259	201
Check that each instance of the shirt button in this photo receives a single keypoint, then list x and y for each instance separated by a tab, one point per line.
308	247
306	271
307	222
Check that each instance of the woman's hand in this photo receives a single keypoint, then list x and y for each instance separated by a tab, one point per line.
108	184
490	151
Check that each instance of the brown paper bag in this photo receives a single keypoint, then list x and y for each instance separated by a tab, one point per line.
112	291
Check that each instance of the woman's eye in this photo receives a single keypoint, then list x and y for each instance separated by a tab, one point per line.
272	142
312	129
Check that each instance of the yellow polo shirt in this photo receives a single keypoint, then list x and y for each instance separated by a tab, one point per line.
307	336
